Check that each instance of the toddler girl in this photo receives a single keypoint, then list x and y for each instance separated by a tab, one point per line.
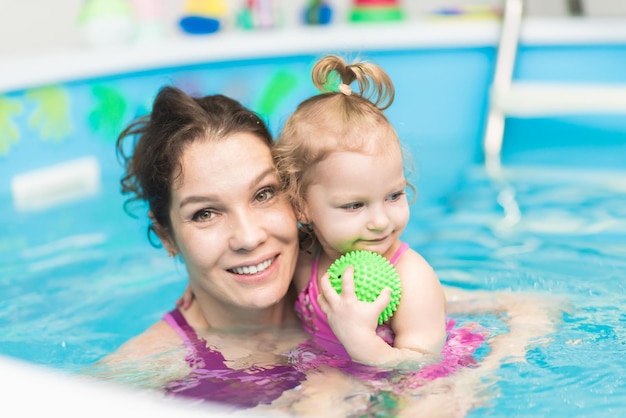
342	164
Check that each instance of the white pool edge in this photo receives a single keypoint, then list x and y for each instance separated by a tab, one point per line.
25	71
30	390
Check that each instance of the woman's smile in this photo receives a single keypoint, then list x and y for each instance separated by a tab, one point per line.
253	268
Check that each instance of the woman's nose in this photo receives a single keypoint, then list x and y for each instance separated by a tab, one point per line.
247	232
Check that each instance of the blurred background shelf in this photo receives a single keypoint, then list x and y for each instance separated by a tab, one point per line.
28	69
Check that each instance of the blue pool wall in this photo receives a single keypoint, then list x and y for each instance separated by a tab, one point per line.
440	100
439	111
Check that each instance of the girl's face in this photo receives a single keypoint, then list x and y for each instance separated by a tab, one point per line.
237	236
357	202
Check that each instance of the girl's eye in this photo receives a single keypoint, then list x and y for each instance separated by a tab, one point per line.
203	215
265	194
353	206
395	196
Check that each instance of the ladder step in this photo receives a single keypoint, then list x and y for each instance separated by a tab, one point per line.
528	99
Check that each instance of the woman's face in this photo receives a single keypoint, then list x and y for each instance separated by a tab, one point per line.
236	234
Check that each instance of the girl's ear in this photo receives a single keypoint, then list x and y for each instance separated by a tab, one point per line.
164	236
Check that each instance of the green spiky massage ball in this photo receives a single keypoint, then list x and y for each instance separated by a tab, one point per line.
372	273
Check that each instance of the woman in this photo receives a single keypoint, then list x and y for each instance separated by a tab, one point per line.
204	167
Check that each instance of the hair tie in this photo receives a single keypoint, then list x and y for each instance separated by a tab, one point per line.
345	89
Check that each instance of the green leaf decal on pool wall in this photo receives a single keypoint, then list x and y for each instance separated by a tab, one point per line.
9	133
51	115
108	115
277	89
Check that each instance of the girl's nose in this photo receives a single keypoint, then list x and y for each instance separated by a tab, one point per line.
378	219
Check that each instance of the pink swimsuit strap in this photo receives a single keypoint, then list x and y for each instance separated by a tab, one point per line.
401	250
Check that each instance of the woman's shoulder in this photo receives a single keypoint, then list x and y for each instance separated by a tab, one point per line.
154	357
155	340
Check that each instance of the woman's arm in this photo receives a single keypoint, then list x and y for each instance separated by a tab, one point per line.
531	319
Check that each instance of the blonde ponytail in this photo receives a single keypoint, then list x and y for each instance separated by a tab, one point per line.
373	82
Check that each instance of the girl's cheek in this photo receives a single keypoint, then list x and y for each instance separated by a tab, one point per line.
346	246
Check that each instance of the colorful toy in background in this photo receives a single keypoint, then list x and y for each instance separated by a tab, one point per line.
318	12
106	22
376	11
469	12
260	14
149	19
201	17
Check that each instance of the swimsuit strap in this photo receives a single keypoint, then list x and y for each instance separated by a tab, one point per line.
199	355
401	250
178	322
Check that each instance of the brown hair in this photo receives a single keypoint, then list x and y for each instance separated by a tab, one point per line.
335	121
157	142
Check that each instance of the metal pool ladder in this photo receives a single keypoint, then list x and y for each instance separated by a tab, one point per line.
523	99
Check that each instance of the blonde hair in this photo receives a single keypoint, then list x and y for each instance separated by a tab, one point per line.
335	121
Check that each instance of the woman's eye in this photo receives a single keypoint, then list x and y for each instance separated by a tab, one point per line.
265	194
203	215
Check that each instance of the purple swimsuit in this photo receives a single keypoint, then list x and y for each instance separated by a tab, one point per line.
212	380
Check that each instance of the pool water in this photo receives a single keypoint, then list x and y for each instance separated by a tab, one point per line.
79	279
554	231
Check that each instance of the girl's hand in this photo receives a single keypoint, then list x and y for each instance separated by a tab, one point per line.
184	302
353	322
